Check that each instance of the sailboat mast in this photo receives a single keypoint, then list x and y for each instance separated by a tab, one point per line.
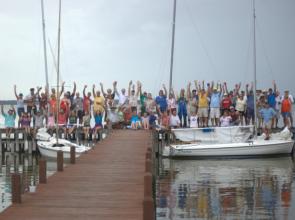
254	69
172	47
58	70
44	44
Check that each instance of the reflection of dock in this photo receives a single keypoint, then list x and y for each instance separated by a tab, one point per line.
105	183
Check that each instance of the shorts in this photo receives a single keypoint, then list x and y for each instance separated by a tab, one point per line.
250	113
286	114
20	111
214	113
267	125
203	112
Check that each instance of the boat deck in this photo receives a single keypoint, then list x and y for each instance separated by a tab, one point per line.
105	183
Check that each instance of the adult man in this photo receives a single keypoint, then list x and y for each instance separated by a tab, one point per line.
271	99
250	115
123	98
133	97
286	109
20	104
9	120
267	115
30	100
78	107
215	104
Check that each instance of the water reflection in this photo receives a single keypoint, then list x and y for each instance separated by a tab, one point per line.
26	165
226	189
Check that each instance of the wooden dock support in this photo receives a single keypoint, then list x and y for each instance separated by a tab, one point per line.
42	171
16	188
73	155
148	165
60	161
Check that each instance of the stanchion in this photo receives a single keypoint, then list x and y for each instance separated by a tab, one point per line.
60	161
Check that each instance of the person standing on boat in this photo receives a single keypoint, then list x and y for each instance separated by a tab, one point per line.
20	104
267	114
171	102
226	101
161	100
215	103
203	104
192	98
271	99
250	115
286	109
241	106
182	110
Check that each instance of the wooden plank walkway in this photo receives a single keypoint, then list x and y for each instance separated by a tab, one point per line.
106	183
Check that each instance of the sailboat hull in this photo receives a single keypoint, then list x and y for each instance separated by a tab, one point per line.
255	148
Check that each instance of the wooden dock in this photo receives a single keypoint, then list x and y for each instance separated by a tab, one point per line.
106	183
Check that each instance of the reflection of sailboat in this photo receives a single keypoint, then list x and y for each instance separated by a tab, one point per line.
49	146
280	143
227	189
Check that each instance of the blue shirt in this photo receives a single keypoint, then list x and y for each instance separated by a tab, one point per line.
98	120
271	100
215	100
182	105
162	102
267	114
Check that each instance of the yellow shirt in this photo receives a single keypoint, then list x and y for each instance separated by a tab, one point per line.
98	104
203	101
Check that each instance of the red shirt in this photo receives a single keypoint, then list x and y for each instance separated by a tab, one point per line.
62	119
286	105
226	103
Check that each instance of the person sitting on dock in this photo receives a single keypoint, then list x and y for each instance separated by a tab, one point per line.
145	121
9	120
25	122
135	120
267	115
20	104
72	125
174	121
86	125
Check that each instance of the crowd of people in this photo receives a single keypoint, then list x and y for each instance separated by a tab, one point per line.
206	104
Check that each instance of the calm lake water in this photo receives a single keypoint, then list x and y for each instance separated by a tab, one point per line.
262	188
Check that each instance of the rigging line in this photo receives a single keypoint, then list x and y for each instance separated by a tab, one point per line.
264	49
199	36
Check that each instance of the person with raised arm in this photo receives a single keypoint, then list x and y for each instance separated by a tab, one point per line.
71	96
30	100
161	100
109	96
86	100
192	98
78	107
182	109
123	98
20	104
133	96
9	120
98	101
203	104
250	115
215	93
142	98
171	102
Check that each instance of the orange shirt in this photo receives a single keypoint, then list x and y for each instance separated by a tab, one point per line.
286	105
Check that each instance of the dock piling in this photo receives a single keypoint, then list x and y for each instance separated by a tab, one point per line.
16	188
42	171
60	161
148	165
148	202
73	155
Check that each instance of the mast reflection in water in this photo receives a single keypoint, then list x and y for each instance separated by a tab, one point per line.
226	189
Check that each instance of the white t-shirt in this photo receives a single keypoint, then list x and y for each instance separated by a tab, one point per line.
194	121
174	121
240	105
225	121
133	100
122	98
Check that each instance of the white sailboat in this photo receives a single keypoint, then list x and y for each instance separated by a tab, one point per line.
48	146
228	141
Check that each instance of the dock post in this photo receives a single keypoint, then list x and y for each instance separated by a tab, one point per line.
16	135
73	155
16	188
60	161
148	165
148	202
42	171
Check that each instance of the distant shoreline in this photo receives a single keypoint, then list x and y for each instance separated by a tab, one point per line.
7	102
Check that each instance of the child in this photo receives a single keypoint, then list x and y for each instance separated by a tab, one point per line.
25	122
225	119
193	120
135	121
145	121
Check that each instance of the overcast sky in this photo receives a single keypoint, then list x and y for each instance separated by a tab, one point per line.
107	40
